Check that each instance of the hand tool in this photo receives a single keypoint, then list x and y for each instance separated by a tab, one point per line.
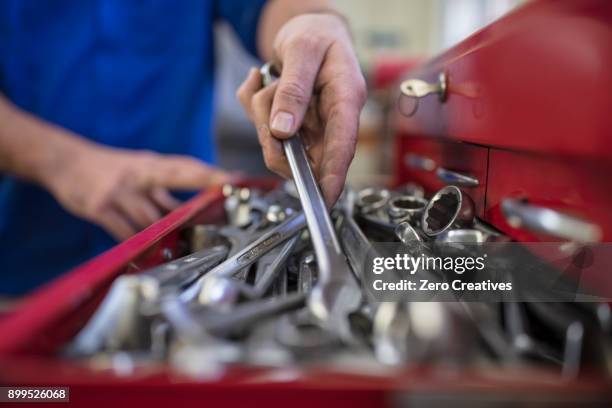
242	317
336	294
224	291
249	254
299	330
118	322
406	208
448	208
371	199
178	274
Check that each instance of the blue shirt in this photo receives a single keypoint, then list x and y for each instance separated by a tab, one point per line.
126	73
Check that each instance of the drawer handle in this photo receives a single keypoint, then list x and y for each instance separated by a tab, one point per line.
420	162
456	179
556	224
417	89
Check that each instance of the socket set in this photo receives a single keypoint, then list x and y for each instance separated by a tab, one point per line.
250	292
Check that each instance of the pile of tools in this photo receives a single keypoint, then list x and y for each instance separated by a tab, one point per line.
282	283
253	291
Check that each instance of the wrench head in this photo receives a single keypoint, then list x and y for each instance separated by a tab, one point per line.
220	292
332	303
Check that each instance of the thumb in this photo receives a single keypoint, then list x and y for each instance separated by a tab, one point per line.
300	68
187	173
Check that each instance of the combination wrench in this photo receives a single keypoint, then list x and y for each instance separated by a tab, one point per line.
247	255
336	294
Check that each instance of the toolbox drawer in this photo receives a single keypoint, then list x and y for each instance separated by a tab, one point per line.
569	186
435	163
515	85
49	318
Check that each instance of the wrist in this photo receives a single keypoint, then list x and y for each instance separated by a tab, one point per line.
60	159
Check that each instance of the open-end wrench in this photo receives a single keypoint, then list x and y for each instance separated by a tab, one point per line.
238	319
249	254
178	274
336	294
117	322
225	291
299	331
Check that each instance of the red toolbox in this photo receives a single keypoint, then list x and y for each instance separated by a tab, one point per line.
526	114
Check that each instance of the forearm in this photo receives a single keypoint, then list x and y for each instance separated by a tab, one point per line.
31	148
276	13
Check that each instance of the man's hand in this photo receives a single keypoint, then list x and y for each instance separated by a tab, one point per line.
125	191
321	90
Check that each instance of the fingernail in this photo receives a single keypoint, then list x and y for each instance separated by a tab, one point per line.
282	122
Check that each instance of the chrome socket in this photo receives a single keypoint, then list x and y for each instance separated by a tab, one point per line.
448	208
370	200
406	208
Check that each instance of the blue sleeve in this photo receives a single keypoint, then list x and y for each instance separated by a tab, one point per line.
243	16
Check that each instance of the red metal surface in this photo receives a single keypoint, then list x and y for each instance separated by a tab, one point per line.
535	87
578	188
460	157
33	327
538	79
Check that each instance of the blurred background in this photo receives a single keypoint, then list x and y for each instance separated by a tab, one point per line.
383	30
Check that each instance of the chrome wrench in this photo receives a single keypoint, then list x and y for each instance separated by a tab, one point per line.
337	293
248	255
224	292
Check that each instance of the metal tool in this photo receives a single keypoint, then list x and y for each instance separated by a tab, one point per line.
299	330
371	199
336	294
406	208
242	317
248	254
116	324
119	323
224	291
448	208
176	275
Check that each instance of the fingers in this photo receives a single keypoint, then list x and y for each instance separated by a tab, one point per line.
273	152
248	89
116	224
186	173
339	148
138	209
163	199
301	62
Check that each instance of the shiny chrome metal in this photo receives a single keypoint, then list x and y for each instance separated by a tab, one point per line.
520	214
419	162
249	254
371	199
173	276
116	324
406	208
463	236
448	208
223	292
300	331
336	294
417	89
454	178
407	234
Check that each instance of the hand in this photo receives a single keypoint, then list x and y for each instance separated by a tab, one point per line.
321	90
125	191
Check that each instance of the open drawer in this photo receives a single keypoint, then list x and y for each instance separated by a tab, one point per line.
34	334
